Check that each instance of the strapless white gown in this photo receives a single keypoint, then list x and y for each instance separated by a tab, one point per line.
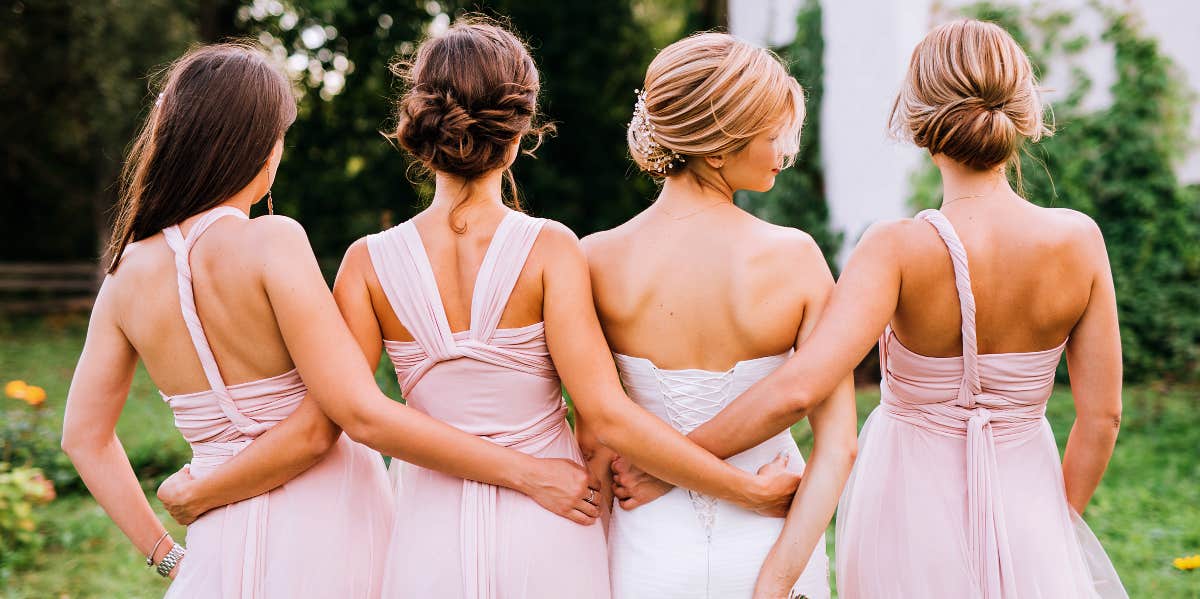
689	545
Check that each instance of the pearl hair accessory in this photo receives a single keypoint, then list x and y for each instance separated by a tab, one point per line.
658	157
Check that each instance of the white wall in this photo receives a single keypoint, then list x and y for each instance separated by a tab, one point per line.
867	47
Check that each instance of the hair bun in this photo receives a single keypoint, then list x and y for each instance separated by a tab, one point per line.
472	93
970	94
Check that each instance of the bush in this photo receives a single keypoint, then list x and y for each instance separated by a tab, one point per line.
22	490
46	350
28	436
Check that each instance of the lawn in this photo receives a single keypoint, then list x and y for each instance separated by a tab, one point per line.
1146	512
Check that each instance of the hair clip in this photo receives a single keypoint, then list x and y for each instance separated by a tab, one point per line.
659	158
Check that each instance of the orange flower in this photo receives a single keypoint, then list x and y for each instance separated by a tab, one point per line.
16	389
34	395
1187	563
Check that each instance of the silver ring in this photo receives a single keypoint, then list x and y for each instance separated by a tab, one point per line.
591	498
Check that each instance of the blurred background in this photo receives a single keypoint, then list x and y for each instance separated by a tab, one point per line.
77	78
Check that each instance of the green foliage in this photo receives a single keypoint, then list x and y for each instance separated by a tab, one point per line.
84	555
75	87
22	491
45	352
339	176
28	438
798	198
1117	165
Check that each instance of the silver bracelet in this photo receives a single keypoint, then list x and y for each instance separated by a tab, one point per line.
171	560
150	558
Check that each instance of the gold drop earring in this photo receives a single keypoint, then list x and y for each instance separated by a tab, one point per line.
270	203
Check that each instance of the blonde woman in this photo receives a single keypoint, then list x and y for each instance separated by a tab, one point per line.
698	300
958	490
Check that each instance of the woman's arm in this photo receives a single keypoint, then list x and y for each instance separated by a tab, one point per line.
835	443
599	461
585	365
274	458
339	379
1094	363
94	402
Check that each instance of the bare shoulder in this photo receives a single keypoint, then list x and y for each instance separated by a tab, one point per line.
273	226
900	237
280	236
357	258
603	244
555	235
788	244
141	255
1075	237
557	243
1075	226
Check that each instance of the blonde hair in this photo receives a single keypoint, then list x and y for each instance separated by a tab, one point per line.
970	94
708	94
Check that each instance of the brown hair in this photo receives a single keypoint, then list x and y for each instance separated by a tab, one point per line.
211	130
970	94
470	93
711	93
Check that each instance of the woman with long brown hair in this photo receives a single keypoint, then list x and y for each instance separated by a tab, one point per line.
237	328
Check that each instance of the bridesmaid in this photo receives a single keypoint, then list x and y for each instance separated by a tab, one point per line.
236	326
958	490
482	309
699	300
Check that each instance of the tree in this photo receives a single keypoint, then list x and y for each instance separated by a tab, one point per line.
76	89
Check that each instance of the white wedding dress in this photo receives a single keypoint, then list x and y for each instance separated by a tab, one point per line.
689	545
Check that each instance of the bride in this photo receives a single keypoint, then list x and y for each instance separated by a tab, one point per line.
698	300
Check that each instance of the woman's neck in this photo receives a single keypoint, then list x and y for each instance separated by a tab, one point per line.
960	182
683	194
478	199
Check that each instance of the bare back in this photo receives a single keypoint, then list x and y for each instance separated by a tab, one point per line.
455	259
706	291
230	299
1028	265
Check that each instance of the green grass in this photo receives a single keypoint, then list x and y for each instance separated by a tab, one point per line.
1146	512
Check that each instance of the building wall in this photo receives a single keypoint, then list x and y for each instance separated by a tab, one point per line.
867	47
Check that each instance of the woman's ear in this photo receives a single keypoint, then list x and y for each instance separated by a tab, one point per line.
514	150
273	161
717	161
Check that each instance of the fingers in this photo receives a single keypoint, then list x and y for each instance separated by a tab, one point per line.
620	466
589	509
630	503
622	492
777	464
580	518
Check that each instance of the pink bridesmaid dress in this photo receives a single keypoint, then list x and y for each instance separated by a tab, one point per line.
322	534
958	489
456	538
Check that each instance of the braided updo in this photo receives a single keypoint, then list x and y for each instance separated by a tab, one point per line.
470	93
